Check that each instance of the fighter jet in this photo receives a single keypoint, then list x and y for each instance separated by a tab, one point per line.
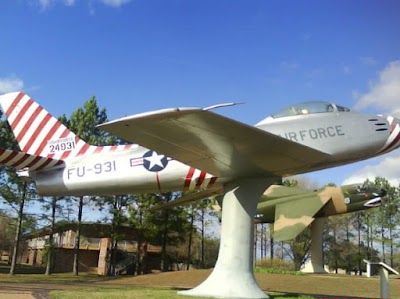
292	209
189	148
196	149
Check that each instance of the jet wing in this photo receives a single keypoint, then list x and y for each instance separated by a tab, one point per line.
190	198
293	216
214	143
279	191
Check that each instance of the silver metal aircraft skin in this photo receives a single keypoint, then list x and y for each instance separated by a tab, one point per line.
189	148
196	149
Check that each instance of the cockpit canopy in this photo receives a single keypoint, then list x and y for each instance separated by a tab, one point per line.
309	108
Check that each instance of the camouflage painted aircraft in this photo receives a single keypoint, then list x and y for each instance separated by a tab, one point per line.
292	209
196	149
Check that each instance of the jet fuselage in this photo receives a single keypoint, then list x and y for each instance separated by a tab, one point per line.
344	199
343	135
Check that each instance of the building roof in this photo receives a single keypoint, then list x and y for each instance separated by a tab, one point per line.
88	229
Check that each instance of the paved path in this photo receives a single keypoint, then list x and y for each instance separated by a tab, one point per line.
23	291
13	294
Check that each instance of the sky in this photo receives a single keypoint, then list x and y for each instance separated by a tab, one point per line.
142	55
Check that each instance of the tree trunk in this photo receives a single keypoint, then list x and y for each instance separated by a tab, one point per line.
335	252
391	247
271	242
390	227
359	243
139	245
18	233
261	241
164	266
50	253
113	258
383	244
202	237
190	240
75	269
371	239
368	237
114	241
255	245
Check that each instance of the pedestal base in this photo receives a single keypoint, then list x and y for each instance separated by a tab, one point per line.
316	264
233	276
227	284
313	268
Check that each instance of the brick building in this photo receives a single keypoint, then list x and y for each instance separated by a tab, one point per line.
95	244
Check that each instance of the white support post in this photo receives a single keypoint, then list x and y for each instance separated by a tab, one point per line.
384	274
369	270
316	264
233	275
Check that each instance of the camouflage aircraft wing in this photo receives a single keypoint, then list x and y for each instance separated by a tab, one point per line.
293	216
213	143
185	199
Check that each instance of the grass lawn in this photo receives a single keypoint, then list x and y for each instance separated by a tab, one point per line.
135	293
165	285
58	278
21	269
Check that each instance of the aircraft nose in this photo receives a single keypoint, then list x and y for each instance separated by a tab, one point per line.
393	140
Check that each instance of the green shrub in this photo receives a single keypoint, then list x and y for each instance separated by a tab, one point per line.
276	266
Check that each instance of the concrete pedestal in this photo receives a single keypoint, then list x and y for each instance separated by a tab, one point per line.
316	263
233	276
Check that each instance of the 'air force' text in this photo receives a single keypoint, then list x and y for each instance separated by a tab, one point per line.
318	133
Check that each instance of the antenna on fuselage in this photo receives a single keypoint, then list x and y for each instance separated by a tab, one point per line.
222	105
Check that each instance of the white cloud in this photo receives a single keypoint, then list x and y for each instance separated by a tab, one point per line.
388	168
346	70
115	3
45	4
10	84
368	60
69	2
92	11
385	92
289	65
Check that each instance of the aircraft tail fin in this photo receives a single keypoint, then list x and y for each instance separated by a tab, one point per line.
37	132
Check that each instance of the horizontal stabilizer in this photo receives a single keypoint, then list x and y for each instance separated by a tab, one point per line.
279	191
189	198
21	160
294	216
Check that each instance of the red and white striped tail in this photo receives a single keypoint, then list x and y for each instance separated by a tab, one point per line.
37	132
21	160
